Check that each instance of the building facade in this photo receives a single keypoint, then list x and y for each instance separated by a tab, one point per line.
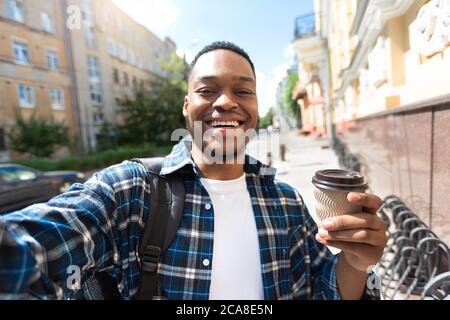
72	60
390	96
34	75
113	58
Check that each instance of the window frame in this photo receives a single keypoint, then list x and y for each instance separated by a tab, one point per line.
52	58
17	8
30	96
60	102
20	46
51	23
111	47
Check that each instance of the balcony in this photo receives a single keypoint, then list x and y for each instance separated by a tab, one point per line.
305	26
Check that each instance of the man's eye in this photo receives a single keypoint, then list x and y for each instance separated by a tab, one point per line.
244	92
206	92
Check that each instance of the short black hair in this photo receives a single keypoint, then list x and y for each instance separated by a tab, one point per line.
224	45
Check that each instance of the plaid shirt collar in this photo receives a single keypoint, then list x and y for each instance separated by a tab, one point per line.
180	160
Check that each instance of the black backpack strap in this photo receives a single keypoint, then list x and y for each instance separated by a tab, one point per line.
166	207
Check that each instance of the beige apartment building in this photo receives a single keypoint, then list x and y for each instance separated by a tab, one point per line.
72	60
381	70
113	58
34	77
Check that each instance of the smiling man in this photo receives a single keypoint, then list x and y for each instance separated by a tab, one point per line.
243	234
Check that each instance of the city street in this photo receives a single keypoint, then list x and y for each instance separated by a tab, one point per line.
304	156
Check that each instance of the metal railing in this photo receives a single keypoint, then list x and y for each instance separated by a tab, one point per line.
305	26
346	159
415	261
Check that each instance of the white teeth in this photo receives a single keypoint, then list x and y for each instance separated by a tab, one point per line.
225	123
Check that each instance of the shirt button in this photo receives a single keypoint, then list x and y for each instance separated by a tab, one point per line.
206	262
207	206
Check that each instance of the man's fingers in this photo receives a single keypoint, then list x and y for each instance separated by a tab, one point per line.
369	201
354	221
358	249
367	236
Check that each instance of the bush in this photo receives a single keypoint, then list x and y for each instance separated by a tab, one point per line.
98	161
39	137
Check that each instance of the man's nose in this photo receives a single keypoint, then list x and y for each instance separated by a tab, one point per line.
225	102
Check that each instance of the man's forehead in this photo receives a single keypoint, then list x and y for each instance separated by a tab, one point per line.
212	63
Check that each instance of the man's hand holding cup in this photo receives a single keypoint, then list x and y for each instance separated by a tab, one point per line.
348	217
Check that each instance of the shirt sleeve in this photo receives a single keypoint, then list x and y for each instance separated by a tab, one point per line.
323	264
48	249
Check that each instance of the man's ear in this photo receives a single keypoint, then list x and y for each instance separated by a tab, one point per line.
185	106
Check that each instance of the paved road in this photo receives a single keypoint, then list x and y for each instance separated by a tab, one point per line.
304	156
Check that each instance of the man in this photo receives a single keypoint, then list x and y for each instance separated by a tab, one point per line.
243	234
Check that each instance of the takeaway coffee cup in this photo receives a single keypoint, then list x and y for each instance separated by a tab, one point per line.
330	191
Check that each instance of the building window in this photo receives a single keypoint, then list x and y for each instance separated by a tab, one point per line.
112	49
21	54
15	10
142	85
135	83
126	80
139	62
90	37
2	140
131	57
122	52
93	68
47	23
95	85
52	59
57	99
116	76
26	96
96	92
98	118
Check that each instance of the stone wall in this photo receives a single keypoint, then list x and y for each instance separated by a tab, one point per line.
406	152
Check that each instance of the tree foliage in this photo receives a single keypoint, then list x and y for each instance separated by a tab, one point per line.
266	120
38	136
289	104
154	114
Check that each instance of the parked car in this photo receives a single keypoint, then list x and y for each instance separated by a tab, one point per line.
22	186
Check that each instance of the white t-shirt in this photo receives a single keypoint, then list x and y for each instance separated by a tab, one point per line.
236	265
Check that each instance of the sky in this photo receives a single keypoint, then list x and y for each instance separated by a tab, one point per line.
263	28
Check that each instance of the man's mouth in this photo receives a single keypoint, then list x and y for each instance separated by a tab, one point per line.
225	124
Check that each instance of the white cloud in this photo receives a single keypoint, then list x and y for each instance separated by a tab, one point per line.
289	53
267	87
157	15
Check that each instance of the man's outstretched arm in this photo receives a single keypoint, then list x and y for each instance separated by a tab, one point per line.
47	249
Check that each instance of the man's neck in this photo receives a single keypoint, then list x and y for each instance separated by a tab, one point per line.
216	171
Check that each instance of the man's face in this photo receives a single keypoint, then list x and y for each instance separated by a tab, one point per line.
222	97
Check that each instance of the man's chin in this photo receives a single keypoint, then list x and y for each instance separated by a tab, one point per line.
219	154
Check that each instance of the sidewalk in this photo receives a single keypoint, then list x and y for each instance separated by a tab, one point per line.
304	156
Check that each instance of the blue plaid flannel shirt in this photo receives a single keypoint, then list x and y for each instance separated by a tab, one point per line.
96	226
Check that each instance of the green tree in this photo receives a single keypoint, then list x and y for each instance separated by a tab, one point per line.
38	136
107	138
266	120
289	104
154	114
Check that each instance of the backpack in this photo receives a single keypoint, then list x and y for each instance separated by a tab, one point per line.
159	231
